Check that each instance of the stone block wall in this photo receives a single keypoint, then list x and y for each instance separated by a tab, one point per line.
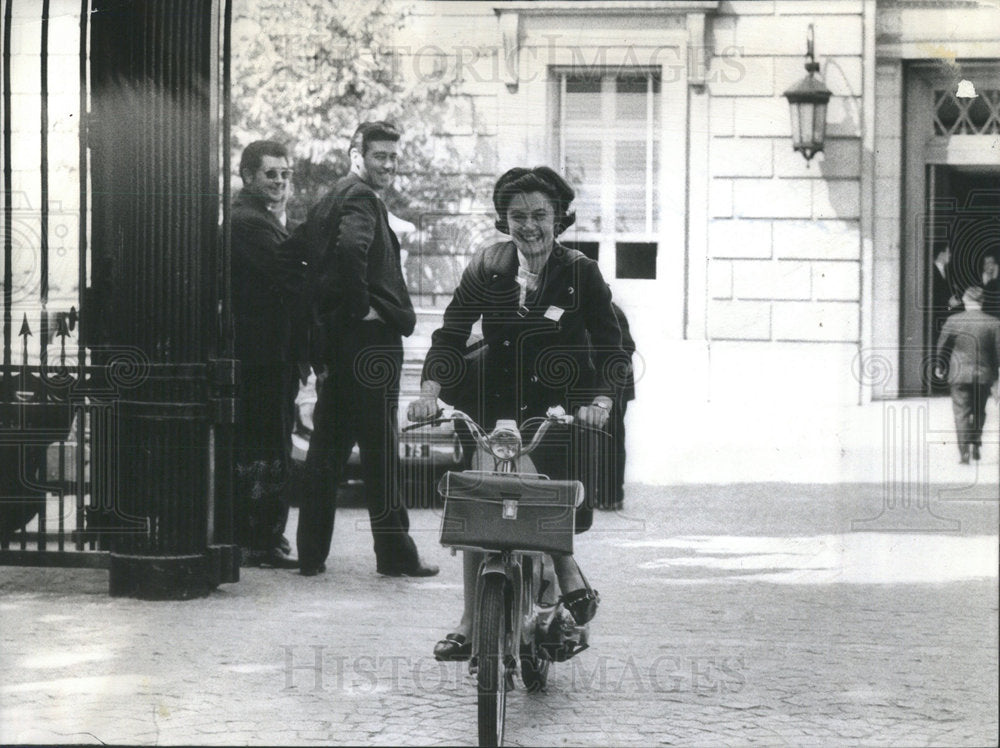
784	255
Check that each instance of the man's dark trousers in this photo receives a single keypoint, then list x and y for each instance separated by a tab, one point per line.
358	405
968	403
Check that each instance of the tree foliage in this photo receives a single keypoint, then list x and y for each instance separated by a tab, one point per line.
307	72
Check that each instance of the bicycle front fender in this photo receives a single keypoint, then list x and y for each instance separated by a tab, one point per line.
492	565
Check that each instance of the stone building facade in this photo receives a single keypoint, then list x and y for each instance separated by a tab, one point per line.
750	275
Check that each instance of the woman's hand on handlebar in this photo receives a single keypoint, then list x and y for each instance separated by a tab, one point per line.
425	407
595	415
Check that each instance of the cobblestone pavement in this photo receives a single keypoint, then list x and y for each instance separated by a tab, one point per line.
731	615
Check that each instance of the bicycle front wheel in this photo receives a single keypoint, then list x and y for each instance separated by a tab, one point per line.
492	676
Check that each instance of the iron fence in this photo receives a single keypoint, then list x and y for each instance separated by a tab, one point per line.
117	378
54	471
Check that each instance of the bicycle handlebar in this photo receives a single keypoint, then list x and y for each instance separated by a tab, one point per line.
435	420
483	439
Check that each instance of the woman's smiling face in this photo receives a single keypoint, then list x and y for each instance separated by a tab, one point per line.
532	223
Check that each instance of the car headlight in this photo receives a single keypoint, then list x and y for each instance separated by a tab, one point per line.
505	442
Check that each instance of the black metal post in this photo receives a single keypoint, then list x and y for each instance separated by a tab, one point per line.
154	141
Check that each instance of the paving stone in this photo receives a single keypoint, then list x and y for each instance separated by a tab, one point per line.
811	663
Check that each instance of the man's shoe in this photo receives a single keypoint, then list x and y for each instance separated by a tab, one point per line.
416	570
278	559
964	452
311	571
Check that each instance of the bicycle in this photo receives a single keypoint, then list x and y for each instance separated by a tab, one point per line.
516	518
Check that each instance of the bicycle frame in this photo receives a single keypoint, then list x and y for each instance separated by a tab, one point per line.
516	567
508	580
518	570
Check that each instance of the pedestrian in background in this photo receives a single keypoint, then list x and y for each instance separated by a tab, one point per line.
360	294
970	342
268	380
624	394
945	300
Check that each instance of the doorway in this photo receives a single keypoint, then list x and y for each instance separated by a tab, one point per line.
963	212
951	201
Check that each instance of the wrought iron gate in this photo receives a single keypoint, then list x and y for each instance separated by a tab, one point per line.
117	375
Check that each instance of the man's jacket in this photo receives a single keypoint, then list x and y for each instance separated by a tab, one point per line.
353	258
263	293
970	342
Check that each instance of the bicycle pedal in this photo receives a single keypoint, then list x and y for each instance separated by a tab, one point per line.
564	649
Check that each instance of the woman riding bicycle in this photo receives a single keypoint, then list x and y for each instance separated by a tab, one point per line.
538	301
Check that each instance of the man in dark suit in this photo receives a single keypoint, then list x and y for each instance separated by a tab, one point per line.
360	294
945	299
263	328
970	342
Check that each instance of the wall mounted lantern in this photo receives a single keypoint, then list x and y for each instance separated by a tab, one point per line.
808	99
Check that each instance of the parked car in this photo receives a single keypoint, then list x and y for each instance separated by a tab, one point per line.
424	454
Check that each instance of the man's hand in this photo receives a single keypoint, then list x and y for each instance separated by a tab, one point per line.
596	414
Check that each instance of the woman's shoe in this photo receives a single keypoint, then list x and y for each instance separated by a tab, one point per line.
582	604
453	648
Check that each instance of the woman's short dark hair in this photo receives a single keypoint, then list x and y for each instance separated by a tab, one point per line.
519	181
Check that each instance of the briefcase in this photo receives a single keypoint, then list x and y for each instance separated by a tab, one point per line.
506	511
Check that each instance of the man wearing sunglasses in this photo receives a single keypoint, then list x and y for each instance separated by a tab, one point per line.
263	312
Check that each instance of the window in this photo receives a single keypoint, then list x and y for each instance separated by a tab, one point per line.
608	134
